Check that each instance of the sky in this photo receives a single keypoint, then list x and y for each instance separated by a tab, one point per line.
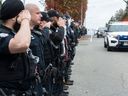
40	3
100	11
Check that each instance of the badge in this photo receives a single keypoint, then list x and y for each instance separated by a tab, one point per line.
32	37
3	35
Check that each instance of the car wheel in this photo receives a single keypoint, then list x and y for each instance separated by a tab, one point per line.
105	45
109	48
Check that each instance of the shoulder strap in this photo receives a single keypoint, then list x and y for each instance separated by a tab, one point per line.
37	32
6	31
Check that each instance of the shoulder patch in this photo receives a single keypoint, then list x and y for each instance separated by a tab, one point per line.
3	35
32	37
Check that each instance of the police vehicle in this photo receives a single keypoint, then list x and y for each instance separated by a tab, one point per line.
116	36
101	32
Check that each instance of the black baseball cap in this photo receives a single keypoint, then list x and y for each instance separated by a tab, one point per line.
45	17
10	9
53	13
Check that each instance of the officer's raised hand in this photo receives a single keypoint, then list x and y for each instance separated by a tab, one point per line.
61	22
21	40
24	15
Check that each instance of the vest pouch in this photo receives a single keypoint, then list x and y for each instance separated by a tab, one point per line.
13	73
19	73
31	64
12	70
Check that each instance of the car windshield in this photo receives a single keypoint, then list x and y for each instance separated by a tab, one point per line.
118	28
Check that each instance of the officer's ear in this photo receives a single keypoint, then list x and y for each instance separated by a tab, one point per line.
14	18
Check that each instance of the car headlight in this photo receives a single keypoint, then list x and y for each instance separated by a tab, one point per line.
113	36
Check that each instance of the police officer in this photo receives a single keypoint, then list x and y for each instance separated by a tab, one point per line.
57	36
44	29
36	46
12	43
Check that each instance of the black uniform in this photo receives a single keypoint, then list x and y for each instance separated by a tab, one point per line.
13	67
37	48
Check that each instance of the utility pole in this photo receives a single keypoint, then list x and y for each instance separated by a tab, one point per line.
81	12
53	4
83	9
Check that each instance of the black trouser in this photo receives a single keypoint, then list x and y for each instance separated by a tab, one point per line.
58	85
35	89
11	92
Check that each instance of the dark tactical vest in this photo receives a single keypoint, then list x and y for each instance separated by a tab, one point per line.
16	69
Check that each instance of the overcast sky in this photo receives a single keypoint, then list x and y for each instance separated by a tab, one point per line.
40	3
100	11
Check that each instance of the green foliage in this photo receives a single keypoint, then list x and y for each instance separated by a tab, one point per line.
118	16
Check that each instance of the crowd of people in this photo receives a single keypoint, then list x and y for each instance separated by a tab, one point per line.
36	50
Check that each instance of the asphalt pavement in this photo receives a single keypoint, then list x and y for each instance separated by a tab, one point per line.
97	72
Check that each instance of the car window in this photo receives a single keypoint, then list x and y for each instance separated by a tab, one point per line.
118	28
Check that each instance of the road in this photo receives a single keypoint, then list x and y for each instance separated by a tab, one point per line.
97	72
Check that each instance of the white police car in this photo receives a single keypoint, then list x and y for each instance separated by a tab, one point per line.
116	36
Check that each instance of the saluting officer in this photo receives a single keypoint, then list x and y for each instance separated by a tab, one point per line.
12	43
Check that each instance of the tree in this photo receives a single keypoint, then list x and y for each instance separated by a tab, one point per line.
118	16
76	8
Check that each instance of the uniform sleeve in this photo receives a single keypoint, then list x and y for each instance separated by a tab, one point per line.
46	31
4	43
58	36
